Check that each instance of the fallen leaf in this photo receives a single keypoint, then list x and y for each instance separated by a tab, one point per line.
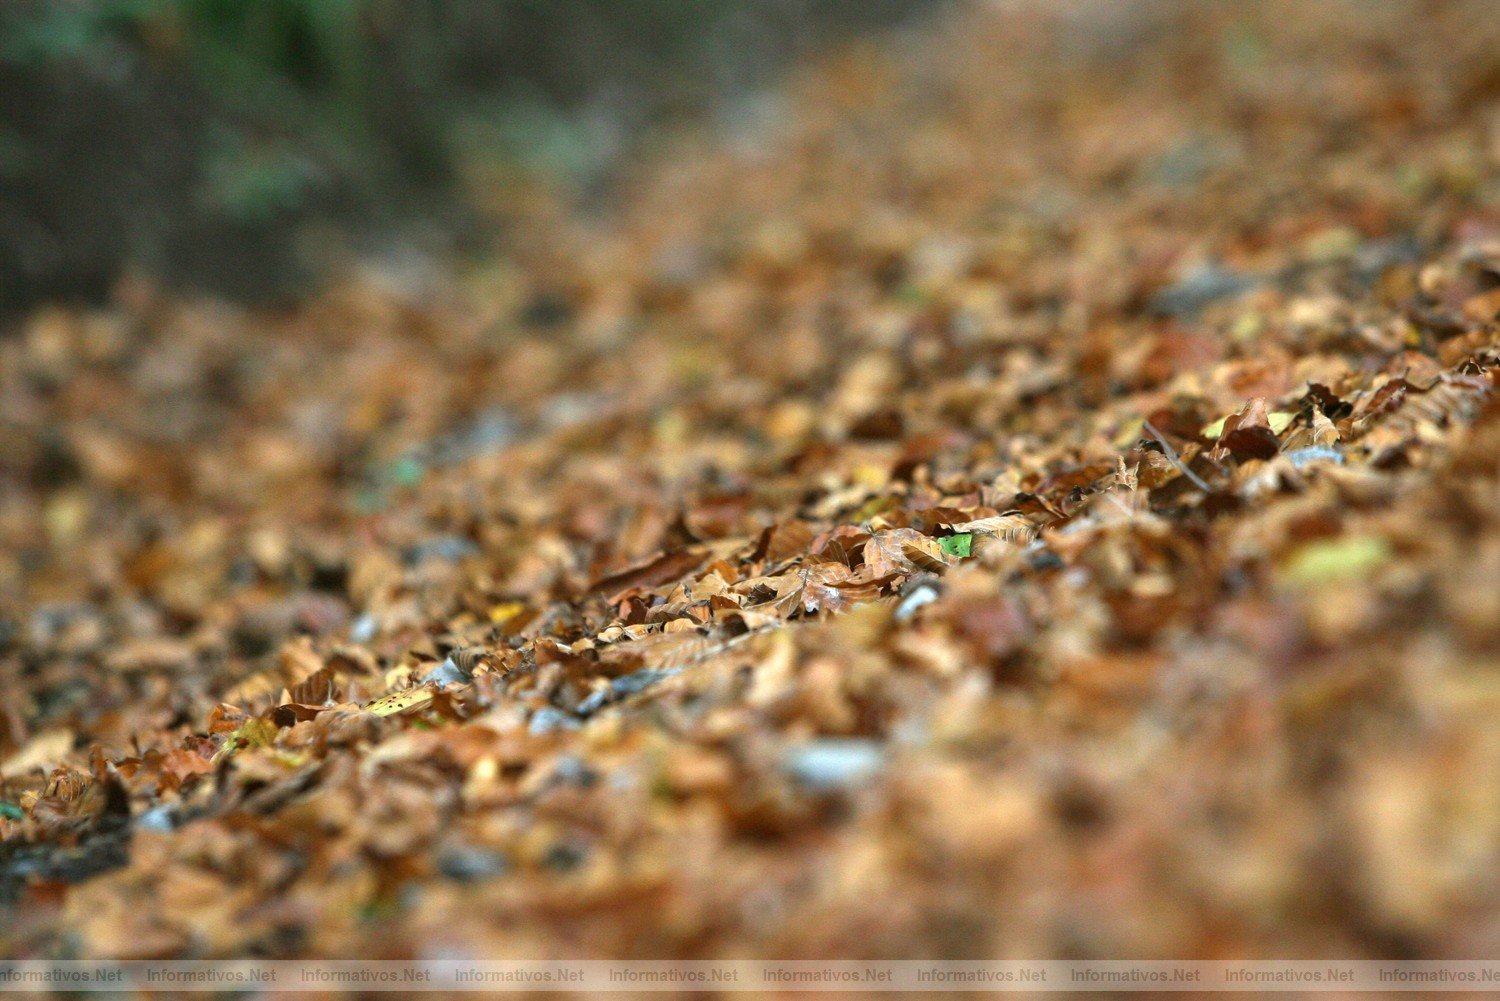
1332	561
397	702
960	545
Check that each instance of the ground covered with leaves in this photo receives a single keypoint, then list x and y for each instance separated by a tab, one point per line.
1037	495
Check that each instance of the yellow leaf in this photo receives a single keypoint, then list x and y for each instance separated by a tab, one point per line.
1129	433
254	732
395	702
1333	560
1279	420
505	611
872	508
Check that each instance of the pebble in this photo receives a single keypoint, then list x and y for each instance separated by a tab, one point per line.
637	681
1301	457
158	818
832	764
594	702
449	548
1201	286
1374	257
365	628
470	865
1042	558
549	719
493	430
565	857
448	673
619	688
574	771
925	594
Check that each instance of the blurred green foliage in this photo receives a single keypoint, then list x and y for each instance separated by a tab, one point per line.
193	123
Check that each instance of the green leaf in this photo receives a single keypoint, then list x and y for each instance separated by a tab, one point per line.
960	545
11	811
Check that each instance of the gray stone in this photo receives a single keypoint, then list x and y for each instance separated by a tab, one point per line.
832	764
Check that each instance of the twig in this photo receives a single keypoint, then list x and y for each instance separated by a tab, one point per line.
1171	455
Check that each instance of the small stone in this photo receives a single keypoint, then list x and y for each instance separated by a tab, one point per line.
1040	557
549	719
365	628
1373	258
574	771
158	818
637	681
492	431
448	673
1204	284
621	687
470	865
448	548
594	702
565	857
924	594
1302	457
832	764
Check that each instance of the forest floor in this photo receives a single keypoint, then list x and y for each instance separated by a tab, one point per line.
1039	495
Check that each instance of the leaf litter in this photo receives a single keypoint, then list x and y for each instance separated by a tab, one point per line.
951	535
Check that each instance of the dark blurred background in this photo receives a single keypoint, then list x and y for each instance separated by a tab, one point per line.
217	144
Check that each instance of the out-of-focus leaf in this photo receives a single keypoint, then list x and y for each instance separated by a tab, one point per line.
44	751
1330	561
254	732
663	568
503	612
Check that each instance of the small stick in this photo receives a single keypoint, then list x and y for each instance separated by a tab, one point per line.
1171	454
